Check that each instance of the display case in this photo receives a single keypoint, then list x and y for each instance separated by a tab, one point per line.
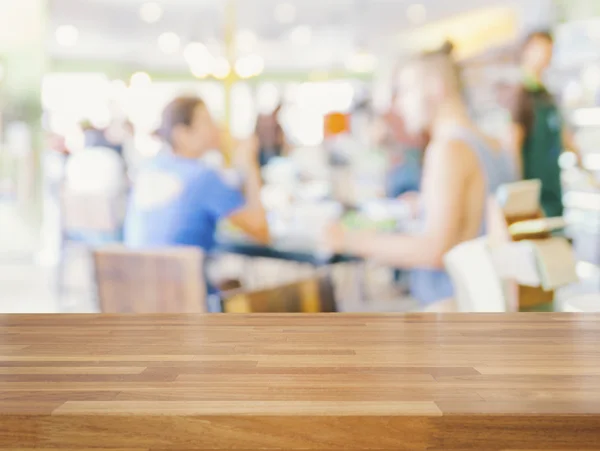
575	81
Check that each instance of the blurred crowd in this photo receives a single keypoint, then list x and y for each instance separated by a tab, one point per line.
438	163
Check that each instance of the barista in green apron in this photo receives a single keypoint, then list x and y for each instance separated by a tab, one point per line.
538	131
542	148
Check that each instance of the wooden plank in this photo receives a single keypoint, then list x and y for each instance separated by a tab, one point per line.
78	370
223	432
260	408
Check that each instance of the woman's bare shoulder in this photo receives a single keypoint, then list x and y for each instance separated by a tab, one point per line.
493	143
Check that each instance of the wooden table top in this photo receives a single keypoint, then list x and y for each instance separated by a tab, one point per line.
311	382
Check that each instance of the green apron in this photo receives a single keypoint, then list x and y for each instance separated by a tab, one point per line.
542	149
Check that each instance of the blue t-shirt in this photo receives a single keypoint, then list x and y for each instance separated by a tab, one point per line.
177	201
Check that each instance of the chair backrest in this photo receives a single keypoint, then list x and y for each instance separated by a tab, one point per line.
477	286
92	212
150	281
314	295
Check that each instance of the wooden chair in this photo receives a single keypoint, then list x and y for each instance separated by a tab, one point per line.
312	295
150	281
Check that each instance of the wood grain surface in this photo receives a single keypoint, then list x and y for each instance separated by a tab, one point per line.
291	382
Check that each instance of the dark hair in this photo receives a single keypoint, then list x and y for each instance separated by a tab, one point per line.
447	48
179	111
444	52
537	34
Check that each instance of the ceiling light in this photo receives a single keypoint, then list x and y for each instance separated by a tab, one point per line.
200	60
199	71
222	68
250	66
169	43
67	35
246	40
151	12
362	62
285	13
416	13
195	52
140	80
301	35
213	44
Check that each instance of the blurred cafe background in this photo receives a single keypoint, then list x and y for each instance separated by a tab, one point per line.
302	90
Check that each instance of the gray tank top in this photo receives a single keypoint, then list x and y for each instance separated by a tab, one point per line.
429	286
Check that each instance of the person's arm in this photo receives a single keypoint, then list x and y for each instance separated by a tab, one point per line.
252	218
517	136
444	193
412	200
522	116
569	145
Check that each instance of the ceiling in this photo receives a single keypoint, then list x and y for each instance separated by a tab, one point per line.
327	32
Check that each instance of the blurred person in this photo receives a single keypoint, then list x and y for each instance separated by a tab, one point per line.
178	199
96	137
405	153
97	172
98	168
461	168
538	134
55	159
121	136
342	147
271	137
361	116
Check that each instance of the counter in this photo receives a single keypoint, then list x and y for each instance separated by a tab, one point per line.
290	382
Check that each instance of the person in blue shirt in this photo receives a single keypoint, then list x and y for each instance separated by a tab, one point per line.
178	201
